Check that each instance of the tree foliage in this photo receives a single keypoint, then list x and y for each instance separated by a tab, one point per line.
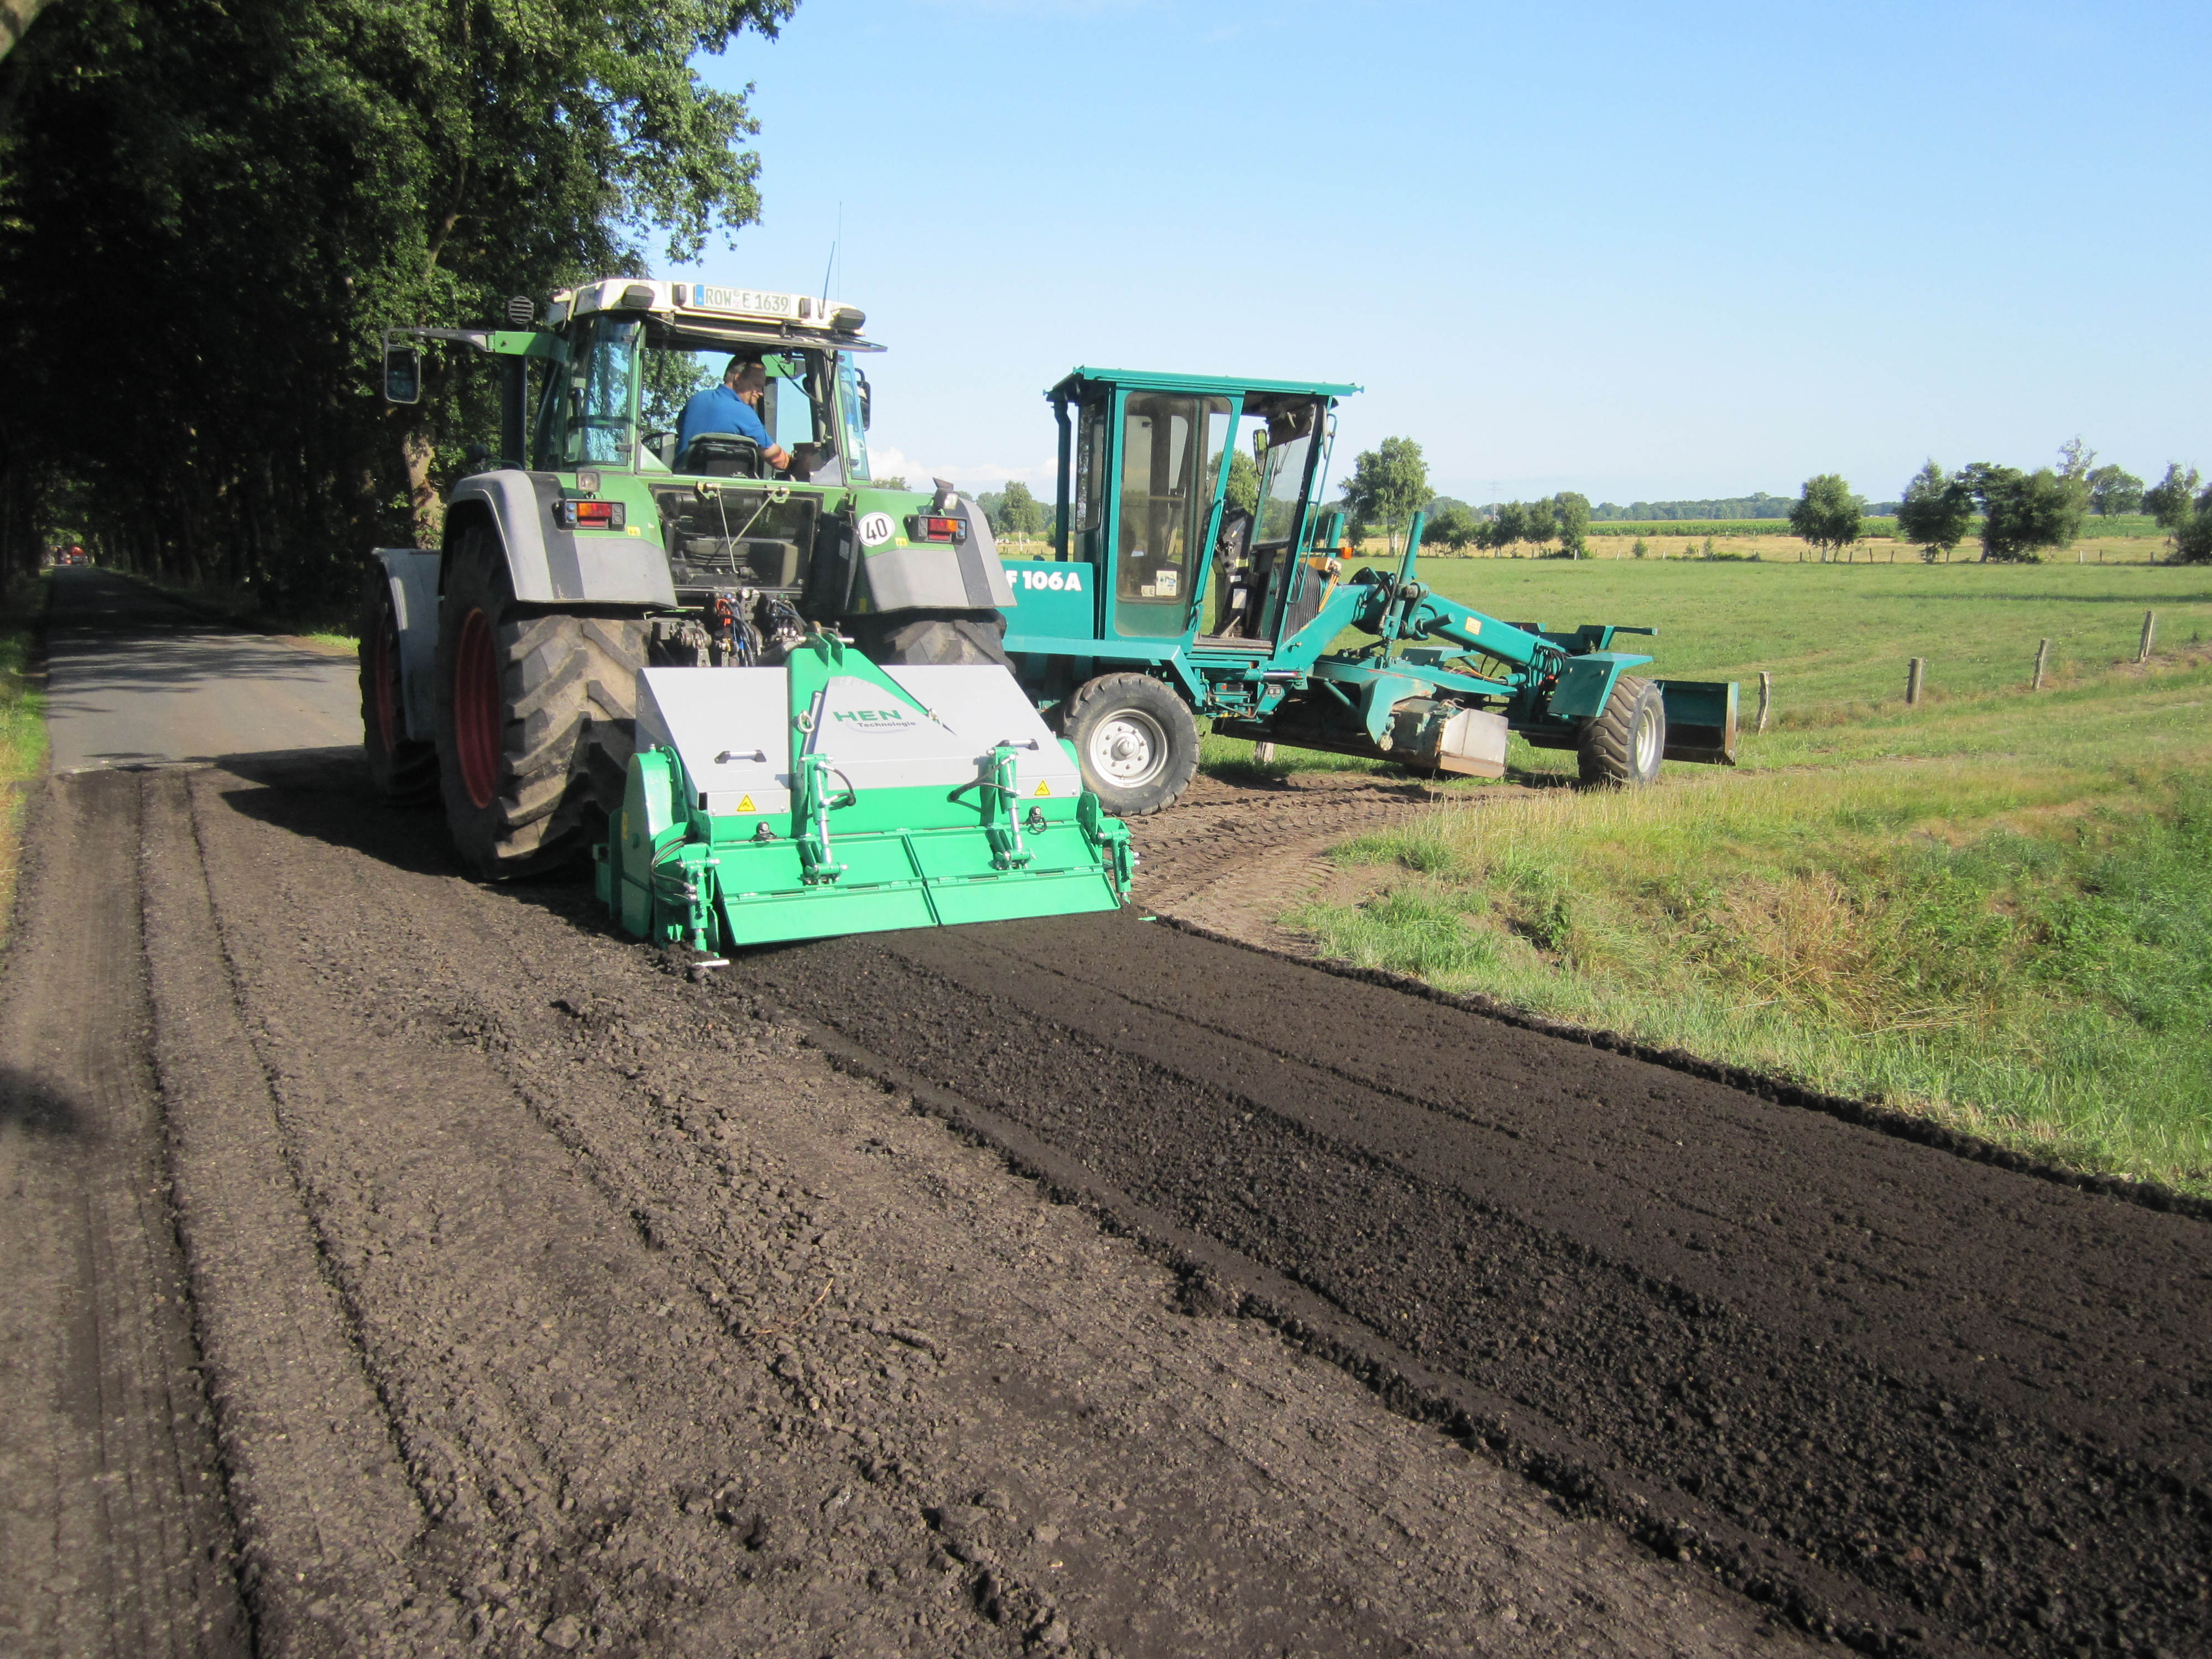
1826	514
1936	512
1244	491
1014	510
2024	514
1452	526
2113	491
2193	536
2171	499
216	206
1571	517
1388	484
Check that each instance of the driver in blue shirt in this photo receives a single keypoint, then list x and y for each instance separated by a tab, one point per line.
733	406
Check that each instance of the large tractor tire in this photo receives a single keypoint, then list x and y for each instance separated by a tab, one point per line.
953	641
536	712
403	770
1135	740
1623	745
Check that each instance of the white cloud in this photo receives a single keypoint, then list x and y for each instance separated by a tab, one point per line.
888	461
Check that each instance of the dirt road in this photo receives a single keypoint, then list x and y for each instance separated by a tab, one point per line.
399	1265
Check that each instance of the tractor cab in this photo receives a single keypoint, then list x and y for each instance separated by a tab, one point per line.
1165	538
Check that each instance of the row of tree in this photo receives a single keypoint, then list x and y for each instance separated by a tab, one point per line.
212	208
2020	514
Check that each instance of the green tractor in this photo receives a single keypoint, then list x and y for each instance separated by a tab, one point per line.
1168	602
765	692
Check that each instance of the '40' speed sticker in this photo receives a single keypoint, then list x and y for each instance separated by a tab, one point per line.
875	529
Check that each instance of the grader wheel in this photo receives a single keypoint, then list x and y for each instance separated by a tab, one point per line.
1624	744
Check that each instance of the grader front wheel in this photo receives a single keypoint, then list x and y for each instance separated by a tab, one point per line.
1135	740
1624	744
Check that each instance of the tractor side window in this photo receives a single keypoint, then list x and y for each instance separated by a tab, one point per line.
852	405
1170	457
585	420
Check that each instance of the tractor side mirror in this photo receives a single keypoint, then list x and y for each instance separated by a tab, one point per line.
402	374
868	402
1259	445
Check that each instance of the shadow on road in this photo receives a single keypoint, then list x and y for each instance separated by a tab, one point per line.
28	1101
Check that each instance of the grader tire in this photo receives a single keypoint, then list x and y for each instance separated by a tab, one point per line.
1135	740
536	712
1623	745
402	770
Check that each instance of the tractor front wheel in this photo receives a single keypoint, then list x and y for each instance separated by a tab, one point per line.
1625	744
1135	740
402	770
536	715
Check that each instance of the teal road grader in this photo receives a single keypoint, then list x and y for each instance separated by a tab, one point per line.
774	699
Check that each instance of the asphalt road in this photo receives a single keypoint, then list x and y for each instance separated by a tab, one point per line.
134	679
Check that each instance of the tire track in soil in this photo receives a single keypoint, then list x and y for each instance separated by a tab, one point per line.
689	1345
1978	1399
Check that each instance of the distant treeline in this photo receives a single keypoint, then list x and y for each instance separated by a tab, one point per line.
1757	505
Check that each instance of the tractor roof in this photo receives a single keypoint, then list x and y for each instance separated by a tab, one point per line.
1222	384
722	314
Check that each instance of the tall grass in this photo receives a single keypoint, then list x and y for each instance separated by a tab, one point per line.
1995	908
22	725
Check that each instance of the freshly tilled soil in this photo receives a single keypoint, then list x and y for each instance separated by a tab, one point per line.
536	1299
1915	1398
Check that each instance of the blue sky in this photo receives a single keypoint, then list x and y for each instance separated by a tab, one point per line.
1639	251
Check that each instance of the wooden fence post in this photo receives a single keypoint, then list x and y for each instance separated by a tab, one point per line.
2149	633
1264	753
1912	678
2042	661
1766	698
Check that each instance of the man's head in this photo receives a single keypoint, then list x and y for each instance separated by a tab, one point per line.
745	377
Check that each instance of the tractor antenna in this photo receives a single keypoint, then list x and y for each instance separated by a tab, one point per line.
830	263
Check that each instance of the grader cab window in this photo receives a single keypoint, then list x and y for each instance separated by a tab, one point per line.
1171	450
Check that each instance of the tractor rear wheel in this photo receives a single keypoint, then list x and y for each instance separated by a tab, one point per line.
951	640
403	770
535	715
1135	740
1625	744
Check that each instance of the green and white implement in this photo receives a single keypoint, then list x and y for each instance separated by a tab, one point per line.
833	796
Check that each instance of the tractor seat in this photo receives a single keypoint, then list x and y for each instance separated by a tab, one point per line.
720	455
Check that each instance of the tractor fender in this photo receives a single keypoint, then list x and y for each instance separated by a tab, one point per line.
930	576
548	564
413	576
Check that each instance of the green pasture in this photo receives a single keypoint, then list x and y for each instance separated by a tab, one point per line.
1993	908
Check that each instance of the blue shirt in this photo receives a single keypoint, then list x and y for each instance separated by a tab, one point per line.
718	409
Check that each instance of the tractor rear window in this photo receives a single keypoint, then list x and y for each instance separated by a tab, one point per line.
733	538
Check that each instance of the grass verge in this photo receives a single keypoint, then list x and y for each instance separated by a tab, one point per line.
1994	909
23	723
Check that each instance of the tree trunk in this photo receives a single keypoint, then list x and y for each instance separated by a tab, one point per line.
15	16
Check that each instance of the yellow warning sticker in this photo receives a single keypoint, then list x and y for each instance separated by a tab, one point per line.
746	804
1044	789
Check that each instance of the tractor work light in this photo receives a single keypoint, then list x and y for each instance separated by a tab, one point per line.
934	527
589	516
